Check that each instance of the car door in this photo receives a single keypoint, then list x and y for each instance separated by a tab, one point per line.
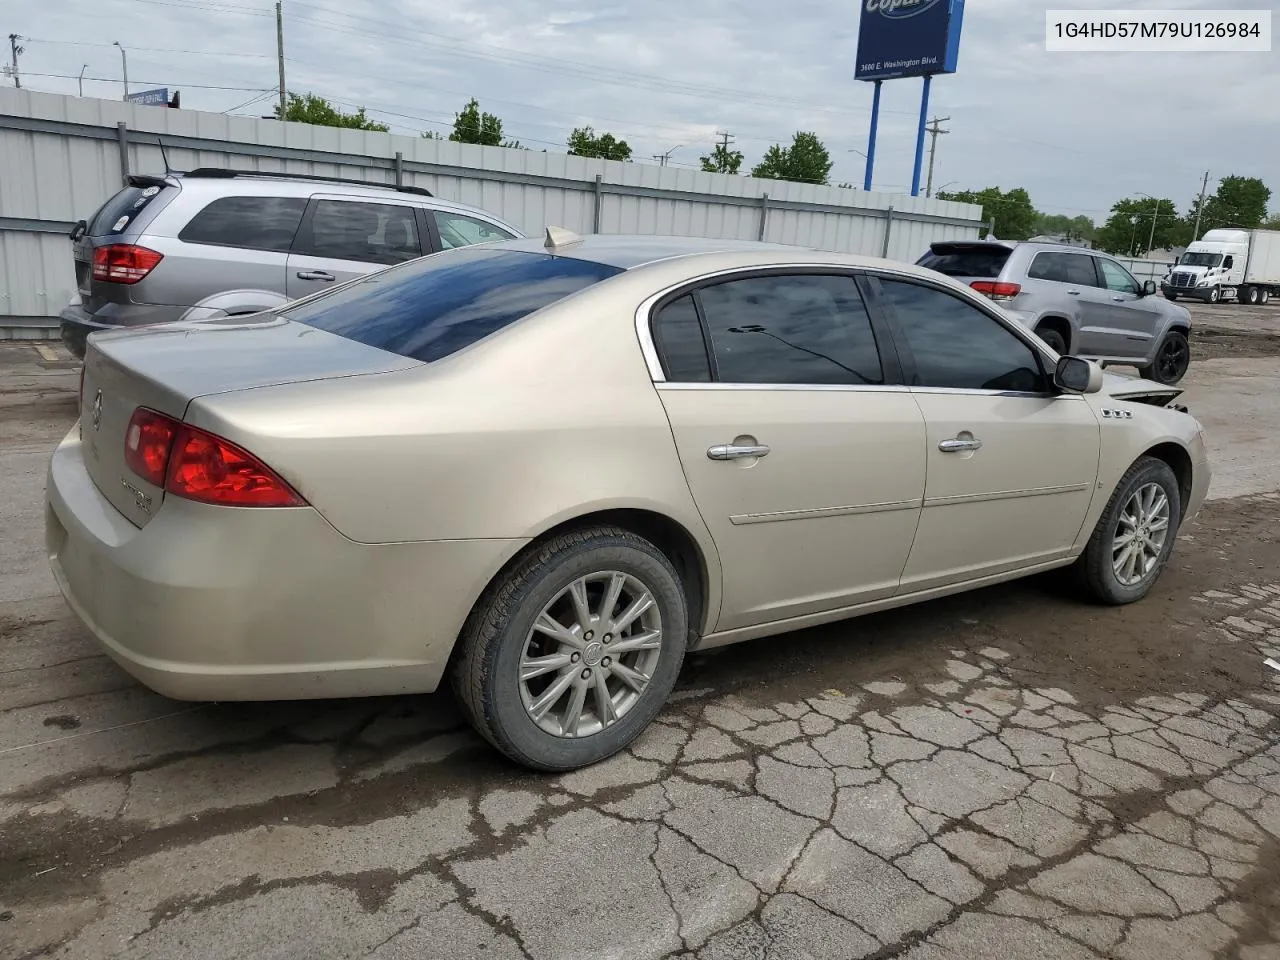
1126	321
1011	464
342	238
802	450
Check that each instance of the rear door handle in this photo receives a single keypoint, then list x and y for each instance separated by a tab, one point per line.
734	451
960	446
316	275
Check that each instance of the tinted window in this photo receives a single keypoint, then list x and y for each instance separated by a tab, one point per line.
1117	278
459	231
255	223
790	329
118	212
980	262
678	336
959	347
1070	268
438	305
368	232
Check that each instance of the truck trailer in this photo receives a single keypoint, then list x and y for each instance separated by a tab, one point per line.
1228	265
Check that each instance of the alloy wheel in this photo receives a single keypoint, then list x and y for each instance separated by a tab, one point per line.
1141	533
591	654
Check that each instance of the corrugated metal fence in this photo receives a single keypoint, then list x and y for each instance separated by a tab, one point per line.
62	156
1144	270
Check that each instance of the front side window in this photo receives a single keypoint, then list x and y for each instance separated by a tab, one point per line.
367	232
1228	263
435	306
251	223
1117	278
791	328
956	346
457	230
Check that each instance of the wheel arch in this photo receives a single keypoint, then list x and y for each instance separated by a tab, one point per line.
1179	461
1059	324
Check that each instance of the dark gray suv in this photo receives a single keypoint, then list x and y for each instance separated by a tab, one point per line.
1078	301
213	242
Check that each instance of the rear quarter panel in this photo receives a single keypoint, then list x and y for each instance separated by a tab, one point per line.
553	418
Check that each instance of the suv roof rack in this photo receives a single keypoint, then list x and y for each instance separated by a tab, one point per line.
224	173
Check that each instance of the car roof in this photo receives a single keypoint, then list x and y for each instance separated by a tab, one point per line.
245	183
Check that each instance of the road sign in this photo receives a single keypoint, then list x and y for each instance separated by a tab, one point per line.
153	98
908	38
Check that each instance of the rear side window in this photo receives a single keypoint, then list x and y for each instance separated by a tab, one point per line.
253	223
457	230
384	233
979	262
677	333
438	305
1073	268
121	210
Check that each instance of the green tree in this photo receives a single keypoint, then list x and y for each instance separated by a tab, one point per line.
1061	225
722	160
1272	222
431	135
584	142
805	161
474	126
1238	202
1014	215
309	108
1128	228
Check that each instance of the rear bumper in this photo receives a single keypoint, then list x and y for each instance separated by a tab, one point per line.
216	603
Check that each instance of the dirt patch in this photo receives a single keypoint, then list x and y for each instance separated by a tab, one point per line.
1213	343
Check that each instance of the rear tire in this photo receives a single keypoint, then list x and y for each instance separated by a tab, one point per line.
1173	356
507	676
1056	341
1264	298
1134	537
1250	295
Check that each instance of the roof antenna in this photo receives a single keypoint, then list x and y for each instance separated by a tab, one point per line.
560	237
164	155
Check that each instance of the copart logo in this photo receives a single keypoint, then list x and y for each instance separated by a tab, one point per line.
900	9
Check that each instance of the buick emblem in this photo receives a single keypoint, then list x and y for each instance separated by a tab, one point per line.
95	412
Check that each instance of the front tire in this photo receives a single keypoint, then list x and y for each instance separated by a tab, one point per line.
1171	297
1215	295
570	655
1134	536
1173	356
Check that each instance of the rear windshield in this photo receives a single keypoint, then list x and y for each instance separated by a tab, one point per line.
984	262
434	306
117	213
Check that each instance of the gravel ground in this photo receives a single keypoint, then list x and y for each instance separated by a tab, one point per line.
1005	774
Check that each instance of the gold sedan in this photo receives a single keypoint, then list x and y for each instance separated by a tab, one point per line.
546	470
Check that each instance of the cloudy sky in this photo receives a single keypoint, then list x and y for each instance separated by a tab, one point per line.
1077	130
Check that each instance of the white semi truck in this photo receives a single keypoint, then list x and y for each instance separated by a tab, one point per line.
1239	265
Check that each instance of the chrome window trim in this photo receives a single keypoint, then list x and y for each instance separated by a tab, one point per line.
644	333
665	385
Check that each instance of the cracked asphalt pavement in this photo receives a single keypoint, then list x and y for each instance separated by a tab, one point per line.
1005	774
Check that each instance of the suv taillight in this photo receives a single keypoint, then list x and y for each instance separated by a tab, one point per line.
124	262
197	465
996	290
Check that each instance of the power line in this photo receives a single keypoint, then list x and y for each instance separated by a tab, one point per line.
94	43
194	86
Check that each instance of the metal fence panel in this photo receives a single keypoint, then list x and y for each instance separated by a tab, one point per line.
61	157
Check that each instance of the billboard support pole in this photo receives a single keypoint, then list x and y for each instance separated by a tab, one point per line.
871	137
924	122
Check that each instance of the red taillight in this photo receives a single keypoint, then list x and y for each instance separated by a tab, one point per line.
995	290
197	465
124	262
147	443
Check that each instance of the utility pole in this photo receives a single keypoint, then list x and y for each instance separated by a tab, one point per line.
14	52
935	129
662	158
280	53
1152	239
1200	208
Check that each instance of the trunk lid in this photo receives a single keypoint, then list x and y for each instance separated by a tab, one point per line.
167	367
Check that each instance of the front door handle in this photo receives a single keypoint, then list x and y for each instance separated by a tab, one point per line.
736	451
1118	299
960	445
316	275
1073	293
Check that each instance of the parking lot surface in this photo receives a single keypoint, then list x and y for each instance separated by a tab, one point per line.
1005	774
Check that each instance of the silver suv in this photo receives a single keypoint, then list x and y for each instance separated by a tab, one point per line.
214	242
1078	301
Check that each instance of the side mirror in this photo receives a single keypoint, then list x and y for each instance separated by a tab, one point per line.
1149	288
1075	375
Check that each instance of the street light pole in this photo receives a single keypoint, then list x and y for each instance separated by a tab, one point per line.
1152	239
81	79
124	67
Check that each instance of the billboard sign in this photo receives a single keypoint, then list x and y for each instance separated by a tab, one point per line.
152	98
908	38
